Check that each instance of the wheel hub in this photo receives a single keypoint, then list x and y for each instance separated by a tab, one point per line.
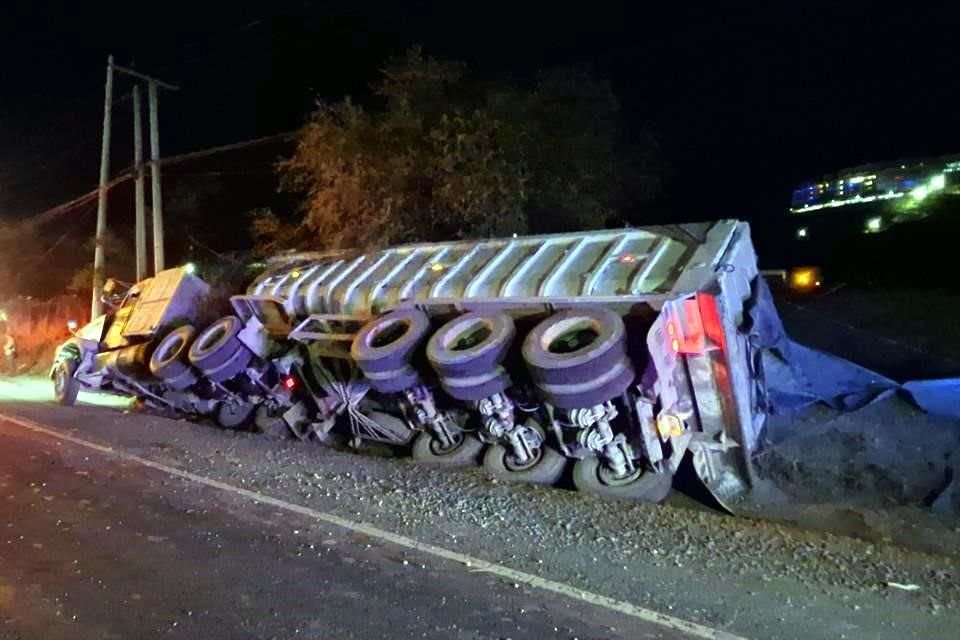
610	478
512	463
452	443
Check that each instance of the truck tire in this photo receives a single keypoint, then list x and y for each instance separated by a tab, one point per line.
575	346
463	454
168	362
477	387
606	387
546	468
578	357
218	353
65	386
471	344
394	381
388	342
644	486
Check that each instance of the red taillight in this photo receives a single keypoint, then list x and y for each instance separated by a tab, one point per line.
289	383
698	327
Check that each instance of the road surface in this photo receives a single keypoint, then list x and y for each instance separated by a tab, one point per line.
100	547
120	525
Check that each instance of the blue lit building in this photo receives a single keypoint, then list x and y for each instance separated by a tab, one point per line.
916	178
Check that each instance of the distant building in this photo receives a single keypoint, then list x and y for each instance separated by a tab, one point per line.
915	178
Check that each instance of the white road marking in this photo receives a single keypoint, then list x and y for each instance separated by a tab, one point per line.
595	599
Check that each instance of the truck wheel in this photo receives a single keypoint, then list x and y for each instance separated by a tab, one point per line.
575	346
591	476
386	343
578	357
463	453
168	360
546	468
65	386
470	345
268	423
234	415
606	387
217	351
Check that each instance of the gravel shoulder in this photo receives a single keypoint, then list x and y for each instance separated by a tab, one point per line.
754	577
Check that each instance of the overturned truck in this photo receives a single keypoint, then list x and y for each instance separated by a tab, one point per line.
618	352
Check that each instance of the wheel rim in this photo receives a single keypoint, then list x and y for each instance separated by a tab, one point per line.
456	441
389	332
607	477
511	464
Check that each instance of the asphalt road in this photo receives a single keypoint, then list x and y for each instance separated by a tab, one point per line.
122	525
96	547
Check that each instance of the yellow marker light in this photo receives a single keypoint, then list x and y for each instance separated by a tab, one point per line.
436	267
805	278
669	426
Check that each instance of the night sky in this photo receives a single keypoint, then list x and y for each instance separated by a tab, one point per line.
747	101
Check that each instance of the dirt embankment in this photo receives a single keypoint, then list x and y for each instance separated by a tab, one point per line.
885	472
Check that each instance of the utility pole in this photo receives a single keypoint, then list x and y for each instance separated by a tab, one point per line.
96	306
140	232
139	195
156	199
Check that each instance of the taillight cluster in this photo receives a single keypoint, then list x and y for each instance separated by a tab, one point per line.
697	327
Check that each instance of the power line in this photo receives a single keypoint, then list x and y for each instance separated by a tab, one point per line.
193	155
60	209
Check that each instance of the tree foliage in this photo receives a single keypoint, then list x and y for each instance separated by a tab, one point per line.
449	156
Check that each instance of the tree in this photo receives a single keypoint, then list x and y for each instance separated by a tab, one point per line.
447	156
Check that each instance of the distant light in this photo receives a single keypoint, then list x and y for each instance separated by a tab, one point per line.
874	224
919	193
802	232
294	274
627	258
938	182
289	383
190	268
805	278
436	266
72	325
